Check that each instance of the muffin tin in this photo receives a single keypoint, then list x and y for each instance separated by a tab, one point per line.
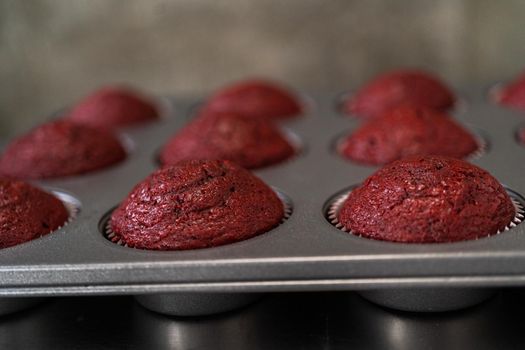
305	253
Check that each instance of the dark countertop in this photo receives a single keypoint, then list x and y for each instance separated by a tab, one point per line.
279	321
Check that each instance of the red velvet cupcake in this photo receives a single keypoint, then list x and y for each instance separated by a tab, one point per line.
256	99
513	94
252	143
405	131
27	213
113	107
60	148
399	87
427	200
196	204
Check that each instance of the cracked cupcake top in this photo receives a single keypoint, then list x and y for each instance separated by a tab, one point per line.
196	204
27	212
427	200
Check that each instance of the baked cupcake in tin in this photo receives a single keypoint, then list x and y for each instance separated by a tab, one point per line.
511	94
196	204
27	212
405	131
427	200
255	98
60	148
113	107
399	87
252	143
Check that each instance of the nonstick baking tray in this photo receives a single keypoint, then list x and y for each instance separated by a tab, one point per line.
305	253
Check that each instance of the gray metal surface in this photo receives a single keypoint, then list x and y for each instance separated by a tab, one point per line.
16	304
283	321
305	253
430	299
195	304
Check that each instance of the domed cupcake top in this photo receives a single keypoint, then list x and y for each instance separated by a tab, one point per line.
60	148
196	204
252	143
112	107
513	93
408	130
399	87
427	200
27	212
255	98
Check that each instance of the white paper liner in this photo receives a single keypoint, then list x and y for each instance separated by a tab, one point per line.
71	204
481	150
126	141
164	106
494	93
336	204
111	236
295	141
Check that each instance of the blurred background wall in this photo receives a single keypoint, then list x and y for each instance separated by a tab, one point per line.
52	52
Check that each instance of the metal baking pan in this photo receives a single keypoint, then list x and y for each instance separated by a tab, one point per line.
305	253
